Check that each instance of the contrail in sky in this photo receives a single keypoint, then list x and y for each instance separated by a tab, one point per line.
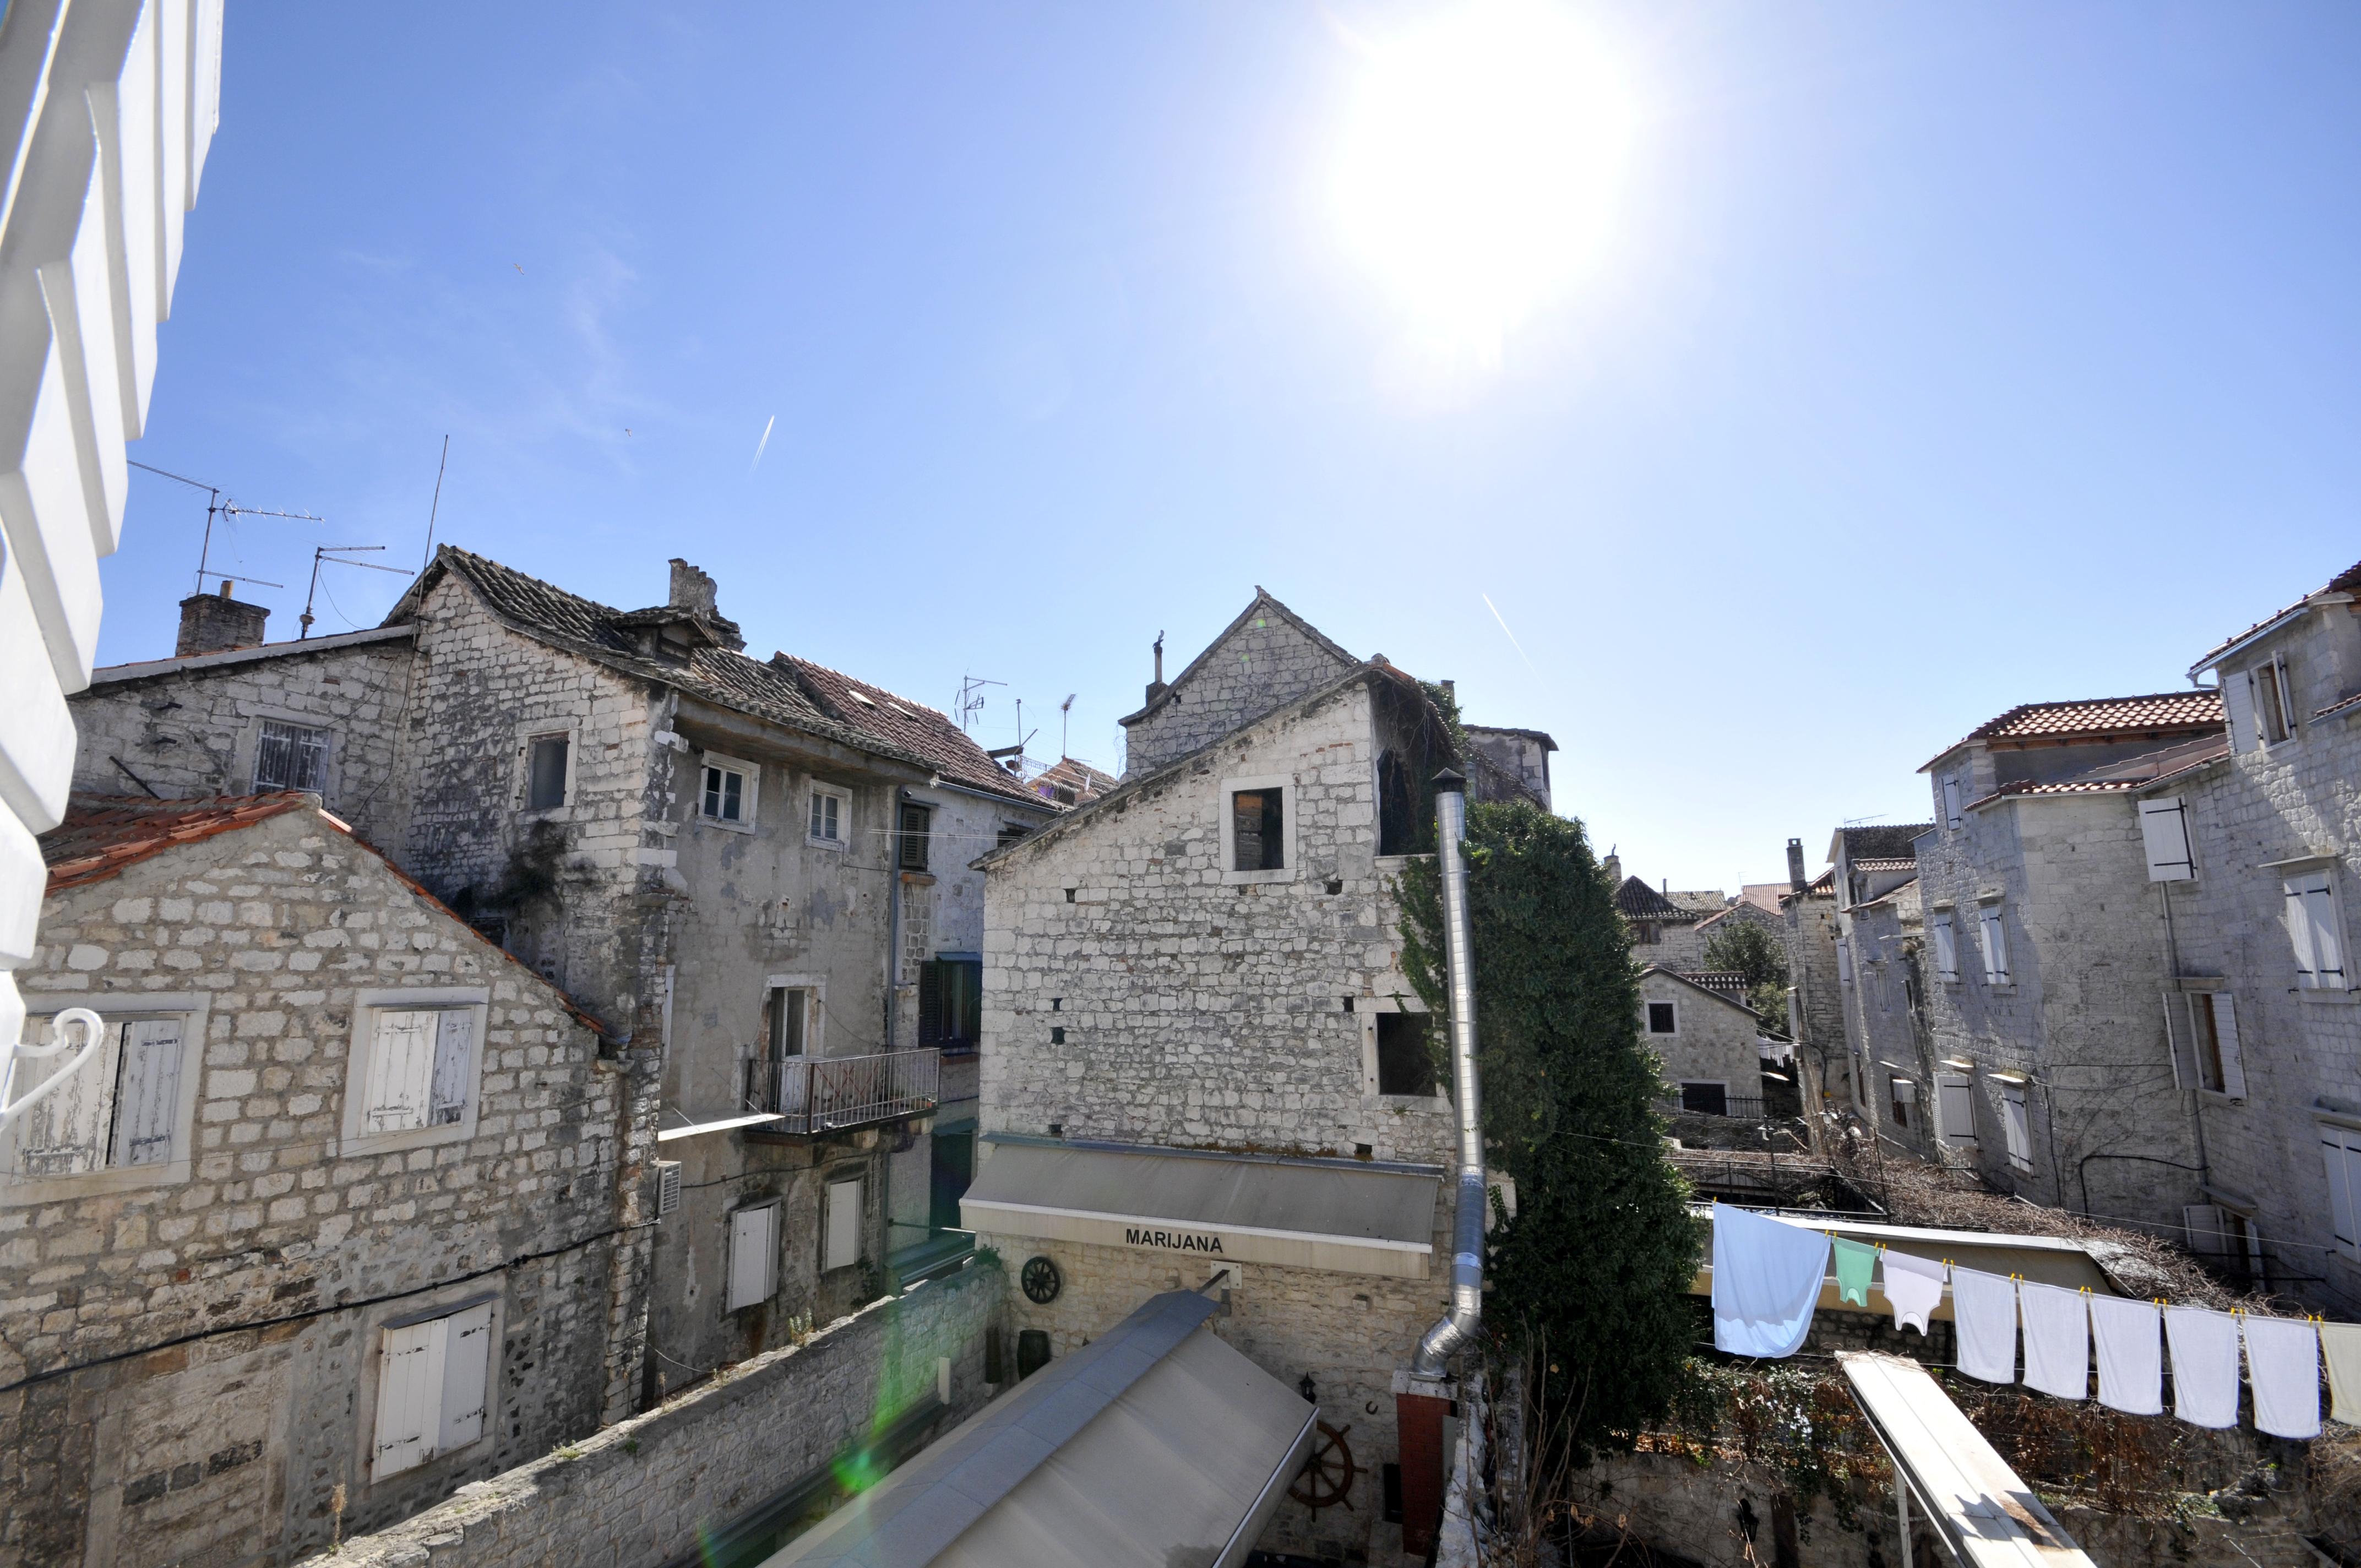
1504	626
766	441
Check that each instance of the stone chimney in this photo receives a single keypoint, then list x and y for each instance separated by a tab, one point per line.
1155	686
1796	880
1614	864
692	591
211	622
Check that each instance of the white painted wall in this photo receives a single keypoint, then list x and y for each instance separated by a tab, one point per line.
106	110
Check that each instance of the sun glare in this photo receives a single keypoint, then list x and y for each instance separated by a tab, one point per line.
1480	165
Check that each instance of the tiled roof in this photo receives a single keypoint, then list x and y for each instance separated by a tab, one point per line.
1725	983
792	691
2347	581
1894	864
1080	780
1883	841
1264	603
1637	901
2099	718
2134	773
1700	901
1744	910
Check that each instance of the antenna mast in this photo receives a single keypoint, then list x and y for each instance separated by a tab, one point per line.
971	698
219	505
334	556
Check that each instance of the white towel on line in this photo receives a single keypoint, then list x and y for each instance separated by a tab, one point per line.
1766	1280
2341	1343
2204	1366
2057	1340
1913	1286
2131	1355
2283	1362
1983	1310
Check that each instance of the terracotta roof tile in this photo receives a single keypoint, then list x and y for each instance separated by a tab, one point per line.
2099	718
2347	581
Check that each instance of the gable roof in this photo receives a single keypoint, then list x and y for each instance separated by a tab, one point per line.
2158	716
1635	900
1707	983
1745	909
103	836
791	692
2346	582
1079	779
1879	841
1264	603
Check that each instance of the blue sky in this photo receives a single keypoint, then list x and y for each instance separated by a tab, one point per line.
1934	359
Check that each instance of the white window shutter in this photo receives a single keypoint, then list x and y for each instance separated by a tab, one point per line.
467	1377
2341	1152
1947	948
147	1092
1955	1104
67	1133
2286	697
2164	832
2202	1224
1844	960
843	1238
2327	944
400	1071
2225	1029
2180	1051
2238	709
409	1399
2014	1125
453	1056
1995	938
753	1246
1951	803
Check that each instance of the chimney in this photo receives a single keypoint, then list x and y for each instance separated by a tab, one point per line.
1155	686
1795	878
692	591
1614	865
211	622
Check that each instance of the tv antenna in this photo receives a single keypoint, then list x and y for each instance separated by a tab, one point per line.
219	505
971	698
334	556
1065	709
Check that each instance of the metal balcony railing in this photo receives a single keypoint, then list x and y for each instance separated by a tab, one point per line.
821	1094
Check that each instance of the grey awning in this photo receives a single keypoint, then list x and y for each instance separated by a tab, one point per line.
1154	1444
1224	1209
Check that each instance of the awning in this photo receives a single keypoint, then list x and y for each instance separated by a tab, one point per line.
1154	1444
1982	1509
1213	1208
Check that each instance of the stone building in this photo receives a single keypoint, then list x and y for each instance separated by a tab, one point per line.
1664	922
1814	994
1201	1055
1887	1003
2253	849
757	867
1705	1039
2043	953
345	1198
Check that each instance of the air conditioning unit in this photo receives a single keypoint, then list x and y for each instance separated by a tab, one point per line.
668	1187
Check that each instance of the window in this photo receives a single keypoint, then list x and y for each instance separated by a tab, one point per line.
911	825
1901	1094
434	1382
1947	948
787	1015
122	1107
1405	1060
1663	1018
829	809
753	1256
725	790
1844	960
2213	1039
2164	833
2312	928
950	1003
951	1168
1398	806
1706	1099
1955	1107
420	1068
1951	803
2341	1147
2274	712
289	756
547	772
2015	1126
1644	934
840	1244
1993	935
1258	830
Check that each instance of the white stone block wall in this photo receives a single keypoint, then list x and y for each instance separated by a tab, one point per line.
1712	1041
1260	666
108	109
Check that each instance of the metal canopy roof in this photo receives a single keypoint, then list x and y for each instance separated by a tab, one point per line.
1155	1443
1223	1209
1982	1509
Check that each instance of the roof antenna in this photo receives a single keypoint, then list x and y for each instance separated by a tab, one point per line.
971	698
334	556
1159	658
219	505
1064	708
432	511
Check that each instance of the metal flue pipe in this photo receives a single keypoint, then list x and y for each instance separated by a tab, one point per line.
1458	1326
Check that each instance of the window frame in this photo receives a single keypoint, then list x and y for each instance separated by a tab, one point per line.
1368	1009
932	973
1962	1083
2016	1121
2304	951
904	838
116	1010
360	1064
750	775
1992	941
1648	1005
2340	1142
532	734
813	798
1375	1029
1898	1101
831	1226
262	723
395	1316
249	746
1291	832
2272	702
1681	1088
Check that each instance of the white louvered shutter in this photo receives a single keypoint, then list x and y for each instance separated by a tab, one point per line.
2015	1127
454	1056
1955	1105
1947	948
2238	709
147	1091
2225	1030
67	1132
1996	943
467	1376
2312	931
844	1207
2179	1050
753	1249
402	1069
2202	1224
409	1399
2164	833
1951	804
2341	1149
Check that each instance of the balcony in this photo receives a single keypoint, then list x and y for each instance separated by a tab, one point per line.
816	1095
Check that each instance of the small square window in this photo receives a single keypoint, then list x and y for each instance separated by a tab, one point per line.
420	1068
291	756
725	795
1258	830
1405	1060
1661	1018
546	775
826	822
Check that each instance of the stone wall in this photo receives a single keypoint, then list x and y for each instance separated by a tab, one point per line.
1888	999
225	1301
1820	1054
1260	666
1712	1042
646	1490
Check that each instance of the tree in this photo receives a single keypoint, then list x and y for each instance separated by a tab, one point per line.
1596	1264
1751	949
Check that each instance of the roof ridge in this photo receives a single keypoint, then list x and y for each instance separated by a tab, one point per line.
1263	597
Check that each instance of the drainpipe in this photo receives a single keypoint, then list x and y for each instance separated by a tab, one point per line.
1422	1394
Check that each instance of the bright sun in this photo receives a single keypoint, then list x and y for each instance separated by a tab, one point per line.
1479	166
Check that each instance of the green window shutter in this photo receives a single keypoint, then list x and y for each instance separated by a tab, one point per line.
930	1003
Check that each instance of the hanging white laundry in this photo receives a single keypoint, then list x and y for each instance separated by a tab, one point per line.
2204	1366
2131	1355
2283	1362
2341	1343
1915	1288
1766	1280
2057	1340
1983	1310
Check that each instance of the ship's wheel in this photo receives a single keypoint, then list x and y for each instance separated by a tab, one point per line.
1326	1479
